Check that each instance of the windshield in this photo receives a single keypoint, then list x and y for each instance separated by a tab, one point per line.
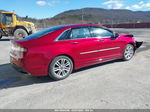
42	33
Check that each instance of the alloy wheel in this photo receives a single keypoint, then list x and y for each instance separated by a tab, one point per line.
129	52
61	67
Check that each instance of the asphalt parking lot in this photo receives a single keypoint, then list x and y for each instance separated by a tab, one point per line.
112	85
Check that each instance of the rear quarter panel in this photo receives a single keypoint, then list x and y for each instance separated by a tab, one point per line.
37	59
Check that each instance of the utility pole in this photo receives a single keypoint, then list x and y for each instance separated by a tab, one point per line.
82	16
112	23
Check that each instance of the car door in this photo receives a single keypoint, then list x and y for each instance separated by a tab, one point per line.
82	46
109	46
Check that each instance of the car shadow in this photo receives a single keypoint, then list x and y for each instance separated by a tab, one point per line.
9	78
4	39
97	65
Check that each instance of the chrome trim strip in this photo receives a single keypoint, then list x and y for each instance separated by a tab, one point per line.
100	50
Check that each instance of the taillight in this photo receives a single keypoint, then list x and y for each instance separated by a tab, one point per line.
16	47
17	51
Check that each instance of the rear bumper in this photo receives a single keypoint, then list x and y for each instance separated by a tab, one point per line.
27	69
138	44
16	64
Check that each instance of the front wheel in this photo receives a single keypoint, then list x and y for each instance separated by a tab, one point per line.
20	33
128	52
60	68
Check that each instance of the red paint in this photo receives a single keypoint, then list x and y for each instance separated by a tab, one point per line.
41	51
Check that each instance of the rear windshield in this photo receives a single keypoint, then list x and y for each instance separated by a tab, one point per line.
42	33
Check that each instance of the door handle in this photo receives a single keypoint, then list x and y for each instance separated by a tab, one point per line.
96	40
101	39
75	42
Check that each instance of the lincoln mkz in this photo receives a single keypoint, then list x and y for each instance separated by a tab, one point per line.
59	50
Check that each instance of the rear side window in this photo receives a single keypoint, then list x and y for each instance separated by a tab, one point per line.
100	32
42	33
75	33
80	33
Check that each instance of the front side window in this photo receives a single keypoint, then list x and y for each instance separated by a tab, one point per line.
100	32
7	19
80	33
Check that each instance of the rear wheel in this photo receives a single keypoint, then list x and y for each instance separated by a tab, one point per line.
128	52
20	33
60	68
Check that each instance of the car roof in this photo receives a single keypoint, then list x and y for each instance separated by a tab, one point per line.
79	25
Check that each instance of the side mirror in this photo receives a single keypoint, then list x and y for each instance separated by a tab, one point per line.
115	35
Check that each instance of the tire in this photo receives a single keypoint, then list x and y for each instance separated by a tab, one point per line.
20	33
63	66
128	52
0	35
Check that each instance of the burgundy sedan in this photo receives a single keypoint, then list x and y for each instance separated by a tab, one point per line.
59	50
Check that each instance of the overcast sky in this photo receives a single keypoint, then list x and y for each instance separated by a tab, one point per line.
49	8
